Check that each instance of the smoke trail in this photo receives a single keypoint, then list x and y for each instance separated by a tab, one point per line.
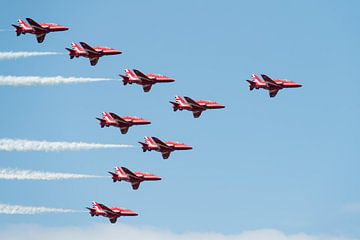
27	145
13	174
36	80
17	209
15	55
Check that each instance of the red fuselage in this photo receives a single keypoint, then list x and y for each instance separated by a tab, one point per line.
111	119
100	51
194	106
121	175
108	120
153	143
156	78
282	84
111	213
145	80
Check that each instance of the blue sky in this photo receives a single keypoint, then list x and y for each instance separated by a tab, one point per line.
289	163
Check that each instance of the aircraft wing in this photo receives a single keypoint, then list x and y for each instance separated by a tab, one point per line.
269	82
40	37
273	92
160	143
197	114
165	155
192	103
135	185
89	49
94	61
147	87
124	129
113	220
142	76
130	174
117	118
35	25
107	210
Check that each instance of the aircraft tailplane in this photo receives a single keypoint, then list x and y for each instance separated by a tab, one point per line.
175	106
17	29
71	53
125	79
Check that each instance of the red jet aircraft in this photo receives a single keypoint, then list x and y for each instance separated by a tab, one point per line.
40	30
112	213
146	80
93	54
197	107
153	143
273	86
111	119
134	178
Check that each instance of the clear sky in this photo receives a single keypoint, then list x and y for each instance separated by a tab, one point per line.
289	163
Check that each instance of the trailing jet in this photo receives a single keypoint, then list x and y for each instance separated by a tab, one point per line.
146	80
153	143
40	30
93	54
273	86
124	174
112	213
111	119
197	107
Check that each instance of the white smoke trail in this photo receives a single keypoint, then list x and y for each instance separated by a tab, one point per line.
36	80
13	174
17	209
9	145
15	55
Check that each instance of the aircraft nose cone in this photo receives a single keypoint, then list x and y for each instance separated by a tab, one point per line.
187	147
221	106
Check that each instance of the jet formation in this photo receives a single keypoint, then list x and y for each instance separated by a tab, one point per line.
124	123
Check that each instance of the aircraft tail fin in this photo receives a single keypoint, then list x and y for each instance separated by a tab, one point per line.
255	78
23	24
130	74
76	47
181	101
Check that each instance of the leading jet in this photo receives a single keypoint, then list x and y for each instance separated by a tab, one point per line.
273	86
